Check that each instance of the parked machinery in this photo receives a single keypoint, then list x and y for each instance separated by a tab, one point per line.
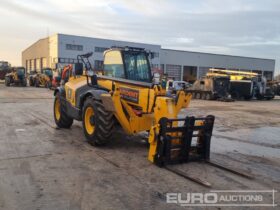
62	76
41	79
246	85
173	86
275	86
16	77
4	69
211	87
56	81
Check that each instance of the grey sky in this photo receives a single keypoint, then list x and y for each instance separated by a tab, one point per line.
237	27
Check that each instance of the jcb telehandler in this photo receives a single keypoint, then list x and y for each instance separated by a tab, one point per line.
16	77
126	94
42	79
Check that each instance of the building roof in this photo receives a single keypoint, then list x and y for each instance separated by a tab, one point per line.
34	44
237	56
109	39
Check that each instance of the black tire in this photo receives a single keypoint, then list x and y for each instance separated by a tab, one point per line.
193	95
31	82
36	83
24	83
103	123
7	81
203	96
248	98
235	95
64	121
49	85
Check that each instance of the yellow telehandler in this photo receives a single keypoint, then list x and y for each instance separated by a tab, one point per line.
126	94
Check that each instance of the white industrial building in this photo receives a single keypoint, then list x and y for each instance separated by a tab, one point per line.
61	49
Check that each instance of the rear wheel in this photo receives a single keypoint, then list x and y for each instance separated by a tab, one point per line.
97	122
235	95
7	81
61	118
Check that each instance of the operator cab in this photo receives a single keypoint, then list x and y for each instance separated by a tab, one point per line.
20	72
127	63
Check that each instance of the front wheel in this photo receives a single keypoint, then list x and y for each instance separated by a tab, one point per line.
97	122
31	82
61	118
24	83
49	85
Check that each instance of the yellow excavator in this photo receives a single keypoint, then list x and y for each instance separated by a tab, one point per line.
126	94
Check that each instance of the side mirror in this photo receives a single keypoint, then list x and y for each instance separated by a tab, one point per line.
78	69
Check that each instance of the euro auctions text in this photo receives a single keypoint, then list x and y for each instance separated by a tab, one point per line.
265	198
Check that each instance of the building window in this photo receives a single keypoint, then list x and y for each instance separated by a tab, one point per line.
100	49
61	60
74	47
156	54
98	65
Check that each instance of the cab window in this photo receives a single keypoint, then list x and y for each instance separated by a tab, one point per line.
113	64
137	66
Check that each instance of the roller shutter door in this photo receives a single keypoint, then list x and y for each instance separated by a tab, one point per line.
32	65
44	62
173	71
38	64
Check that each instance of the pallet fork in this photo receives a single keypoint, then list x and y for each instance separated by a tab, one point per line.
175	143
188	142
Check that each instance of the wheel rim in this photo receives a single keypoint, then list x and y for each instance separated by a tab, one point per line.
57	109
89	125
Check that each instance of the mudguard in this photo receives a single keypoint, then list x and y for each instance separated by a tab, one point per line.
94	93
60	90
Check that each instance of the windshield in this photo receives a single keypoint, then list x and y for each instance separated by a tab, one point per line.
137	67
48	72
20	71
